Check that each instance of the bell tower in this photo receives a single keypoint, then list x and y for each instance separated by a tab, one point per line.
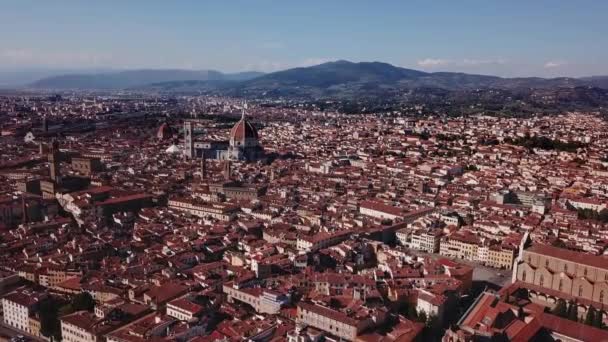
54	157
188	143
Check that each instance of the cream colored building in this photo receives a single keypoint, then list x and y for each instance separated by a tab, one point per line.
463	246
321	240
18	306
335	322
500	257
261	300
427	241
77	327
220	211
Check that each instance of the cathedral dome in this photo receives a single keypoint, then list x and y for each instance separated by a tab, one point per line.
164	132
243	131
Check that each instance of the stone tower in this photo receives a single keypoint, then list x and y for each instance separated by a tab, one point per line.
188	142
226	170
54	157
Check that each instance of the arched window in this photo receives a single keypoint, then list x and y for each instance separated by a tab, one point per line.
542	280
580	290
561	284
602	296
523	276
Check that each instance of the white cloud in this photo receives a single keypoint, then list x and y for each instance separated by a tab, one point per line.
499	61
437	62
432	62
554	64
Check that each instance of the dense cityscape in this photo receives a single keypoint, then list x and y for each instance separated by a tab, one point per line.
196	218
303	171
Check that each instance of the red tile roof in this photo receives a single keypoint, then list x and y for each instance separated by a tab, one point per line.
572	256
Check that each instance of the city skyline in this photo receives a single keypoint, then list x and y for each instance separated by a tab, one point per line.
544	39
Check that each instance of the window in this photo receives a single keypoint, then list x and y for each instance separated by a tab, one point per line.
580	290
542	280
601	296
565	267
585	272
561	284
546	263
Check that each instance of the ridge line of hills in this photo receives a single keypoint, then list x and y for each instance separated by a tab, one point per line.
332	79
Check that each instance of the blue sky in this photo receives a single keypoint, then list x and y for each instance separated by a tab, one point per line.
507	38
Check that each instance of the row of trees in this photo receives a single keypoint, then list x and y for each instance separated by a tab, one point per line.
545	143
589	214
52	308
432	327
570	311
532	142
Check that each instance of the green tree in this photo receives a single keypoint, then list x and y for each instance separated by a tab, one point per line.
49	320
432	329
411	312
83	301
573	312
422	317
590	317
598	320
560	309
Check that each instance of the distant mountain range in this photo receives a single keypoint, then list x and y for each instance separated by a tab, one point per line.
347	77
135	78
338	79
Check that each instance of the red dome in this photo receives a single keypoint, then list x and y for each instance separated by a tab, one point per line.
164	131
243	130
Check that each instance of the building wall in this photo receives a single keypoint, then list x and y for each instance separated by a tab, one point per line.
35	327
564	276
458	249
328	324
500	258
72	333
425	242
16	315
377	214
178	313
430	309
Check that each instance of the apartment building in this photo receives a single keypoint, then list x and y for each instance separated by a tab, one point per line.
220	211
321	240
426	240
462	244
262	300
345	325
18	306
